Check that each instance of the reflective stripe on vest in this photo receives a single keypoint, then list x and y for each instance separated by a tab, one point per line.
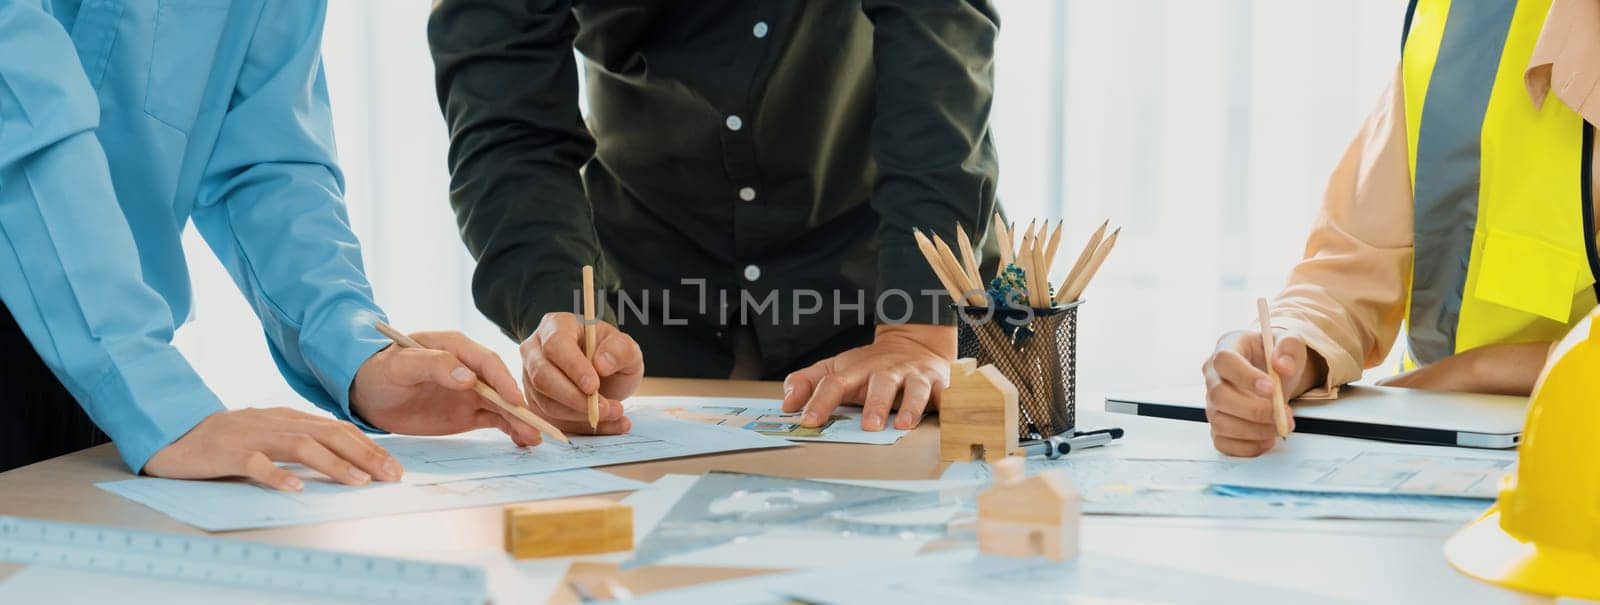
1501	254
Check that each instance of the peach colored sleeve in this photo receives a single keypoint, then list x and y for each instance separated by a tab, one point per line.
1347	296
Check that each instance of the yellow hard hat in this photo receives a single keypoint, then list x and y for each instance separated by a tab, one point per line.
1543	535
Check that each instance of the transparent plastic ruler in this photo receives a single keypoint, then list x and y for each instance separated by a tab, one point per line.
238	564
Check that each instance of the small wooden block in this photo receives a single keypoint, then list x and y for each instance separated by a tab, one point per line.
561	528
977	414
1029	517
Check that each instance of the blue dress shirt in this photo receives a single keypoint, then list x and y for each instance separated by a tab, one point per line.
121	121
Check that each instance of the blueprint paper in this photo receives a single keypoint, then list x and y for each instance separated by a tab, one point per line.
777	549
784	549
766	416
232	505
650	506
1188	488
1377	472
721	510
483	454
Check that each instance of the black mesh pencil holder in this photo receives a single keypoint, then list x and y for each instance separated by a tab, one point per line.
1038	352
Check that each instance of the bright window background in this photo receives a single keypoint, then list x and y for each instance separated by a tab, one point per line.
1206	128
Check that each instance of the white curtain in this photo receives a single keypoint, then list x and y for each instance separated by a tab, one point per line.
1207	128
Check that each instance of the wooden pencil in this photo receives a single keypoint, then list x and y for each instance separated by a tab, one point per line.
483	389
1280	408
1026	236
969	257
589	338
969	290
932	257
1025	252
1025	261
1003	233
1043	283
1013	241
1083	257
1050	250
1074	290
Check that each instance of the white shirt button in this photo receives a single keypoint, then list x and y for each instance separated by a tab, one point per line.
735	123
760	29
752	273
747	194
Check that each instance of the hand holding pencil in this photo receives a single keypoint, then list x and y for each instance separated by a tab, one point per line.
439	383
560	378
1249	379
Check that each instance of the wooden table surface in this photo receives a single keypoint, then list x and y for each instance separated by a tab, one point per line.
63	488
1348	560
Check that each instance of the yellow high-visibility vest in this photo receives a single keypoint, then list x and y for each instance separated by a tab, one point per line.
1504	232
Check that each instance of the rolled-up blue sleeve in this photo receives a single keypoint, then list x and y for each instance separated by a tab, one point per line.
69	269
271	206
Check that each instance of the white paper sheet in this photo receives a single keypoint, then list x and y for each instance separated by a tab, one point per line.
482	454
1377	472
966	577
1186	488
767	416
57	585
231	505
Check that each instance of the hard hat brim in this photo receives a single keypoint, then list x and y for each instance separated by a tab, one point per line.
1486	552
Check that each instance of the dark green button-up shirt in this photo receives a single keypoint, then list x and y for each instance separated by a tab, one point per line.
738	156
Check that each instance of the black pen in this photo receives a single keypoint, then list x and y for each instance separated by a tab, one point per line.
1116	433
1061	445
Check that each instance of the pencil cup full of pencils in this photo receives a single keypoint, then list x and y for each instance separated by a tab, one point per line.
1020	323
1040	357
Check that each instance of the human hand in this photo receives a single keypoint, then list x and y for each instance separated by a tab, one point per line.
245	443
906	365
1504	369
1239	393
558	377
428	391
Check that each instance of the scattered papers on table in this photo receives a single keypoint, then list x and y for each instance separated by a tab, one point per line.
476	469
726	512
231	505
482	454
963	576
766	416
1189	488
789	547
1374	472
